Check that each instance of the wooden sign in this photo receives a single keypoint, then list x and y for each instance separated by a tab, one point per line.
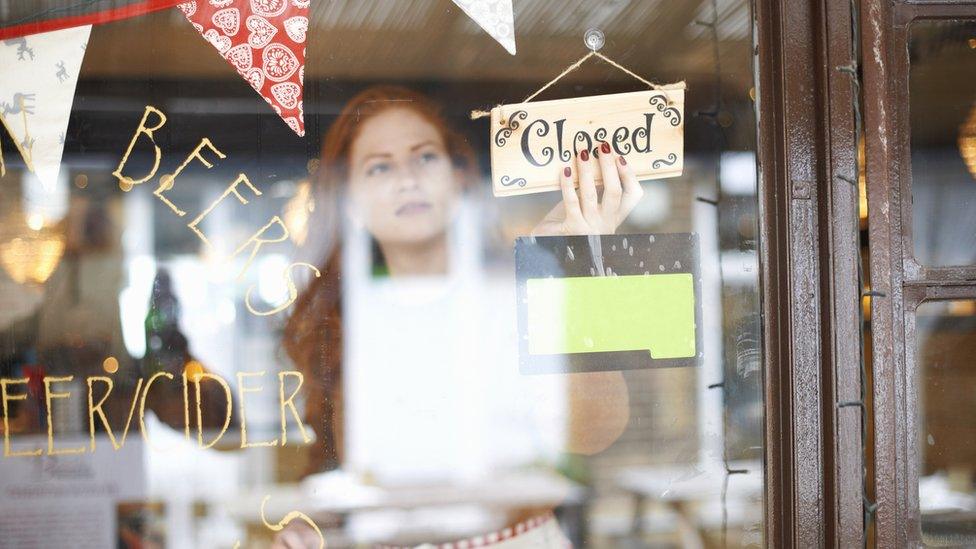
532	142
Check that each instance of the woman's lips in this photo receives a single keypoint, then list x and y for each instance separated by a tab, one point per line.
413	208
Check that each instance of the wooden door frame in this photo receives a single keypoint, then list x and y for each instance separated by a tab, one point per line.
806	74
900	282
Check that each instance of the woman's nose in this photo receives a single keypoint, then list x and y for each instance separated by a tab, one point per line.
408	180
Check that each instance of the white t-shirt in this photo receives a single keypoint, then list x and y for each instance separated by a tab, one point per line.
431	381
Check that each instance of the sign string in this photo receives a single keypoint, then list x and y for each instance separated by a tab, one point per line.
476	114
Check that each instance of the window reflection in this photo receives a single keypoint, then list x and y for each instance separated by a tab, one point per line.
943	140
946	341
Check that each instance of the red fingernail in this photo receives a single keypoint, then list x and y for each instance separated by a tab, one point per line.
584	155
605	148
567	172
623	161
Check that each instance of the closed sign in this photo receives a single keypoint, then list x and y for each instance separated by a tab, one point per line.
531	142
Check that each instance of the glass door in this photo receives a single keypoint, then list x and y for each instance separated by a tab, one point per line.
268	297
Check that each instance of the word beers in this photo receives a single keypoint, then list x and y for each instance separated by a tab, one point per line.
240	187
100	390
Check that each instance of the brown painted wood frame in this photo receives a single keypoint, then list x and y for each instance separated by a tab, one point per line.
811	295
894	271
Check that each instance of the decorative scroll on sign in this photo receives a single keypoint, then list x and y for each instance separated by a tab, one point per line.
530	142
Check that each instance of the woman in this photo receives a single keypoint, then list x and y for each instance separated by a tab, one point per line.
402	172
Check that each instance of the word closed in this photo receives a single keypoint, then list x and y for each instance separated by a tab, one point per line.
530	142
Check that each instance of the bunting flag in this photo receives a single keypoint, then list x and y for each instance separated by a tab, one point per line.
38	74
28	17
495	17
265	41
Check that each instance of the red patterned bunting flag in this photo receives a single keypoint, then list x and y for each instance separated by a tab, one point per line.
265	41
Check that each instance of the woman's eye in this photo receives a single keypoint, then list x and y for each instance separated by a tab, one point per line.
428	157
378	169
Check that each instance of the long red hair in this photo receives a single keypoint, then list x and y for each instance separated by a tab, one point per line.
313	332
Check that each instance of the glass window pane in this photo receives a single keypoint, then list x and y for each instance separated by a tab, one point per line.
396	398
943	141
947	407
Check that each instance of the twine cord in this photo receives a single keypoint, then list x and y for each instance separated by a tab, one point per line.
476	114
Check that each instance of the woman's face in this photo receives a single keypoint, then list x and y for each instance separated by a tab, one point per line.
403	185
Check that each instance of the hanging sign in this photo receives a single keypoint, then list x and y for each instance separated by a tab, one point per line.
531	142
608	302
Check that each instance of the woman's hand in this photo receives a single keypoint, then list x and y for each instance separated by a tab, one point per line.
581	212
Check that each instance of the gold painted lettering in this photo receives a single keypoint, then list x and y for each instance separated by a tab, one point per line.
258	242
186	407
241	391
223	384
93	409
48	397
292	291
292	515
166	182
142	405
232	188
97	409
289	403
6	397
148	132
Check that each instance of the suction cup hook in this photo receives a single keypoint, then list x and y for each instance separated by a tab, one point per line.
594	39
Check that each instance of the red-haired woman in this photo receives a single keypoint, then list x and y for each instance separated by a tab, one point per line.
402	172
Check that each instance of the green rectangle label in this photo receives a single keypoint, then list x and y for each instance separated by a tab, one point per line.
655	313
